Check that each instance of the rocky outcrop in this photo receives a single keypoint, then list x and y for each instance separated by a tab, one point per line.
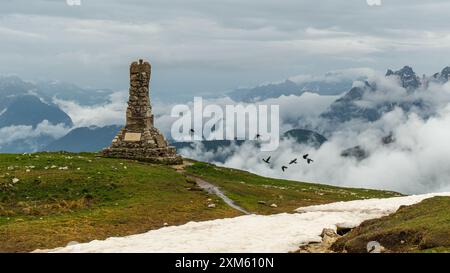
408	78
356	103
139	139
345	108
30	110
329	237
356	152
443	76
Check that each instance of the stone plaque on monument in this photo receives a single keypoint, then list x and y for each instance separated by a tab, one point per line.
139	139
132	137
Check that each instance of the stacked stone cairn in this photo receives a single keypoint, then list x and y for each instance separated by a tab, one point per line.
139	139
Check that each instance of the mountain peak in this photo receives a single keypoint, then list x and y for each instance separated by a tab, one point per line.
30	110
407	77
389	72
11	84
445	74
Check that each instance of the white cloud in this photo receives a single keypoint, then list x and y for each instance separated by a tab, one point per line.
19	132
416	162
110	113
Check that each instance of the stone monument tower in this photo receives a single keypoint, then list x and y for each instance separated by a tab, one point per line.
139	139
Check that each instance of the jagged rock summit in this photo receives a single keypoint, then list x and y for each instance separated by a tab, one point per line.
407	77
139	139
444	76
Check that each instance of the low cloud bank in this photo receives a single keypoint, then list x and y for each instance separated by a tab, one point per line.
18	132
23	138
416	162
99	115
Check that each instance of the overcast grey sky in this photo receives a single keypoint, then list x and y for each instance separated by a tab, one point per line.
215	45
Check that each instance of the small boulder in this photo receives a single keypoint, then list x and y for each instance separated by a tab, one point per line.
329	236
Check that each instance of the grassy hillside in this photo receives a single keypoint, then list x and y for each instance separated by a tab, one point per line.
424	227
249	190
50	199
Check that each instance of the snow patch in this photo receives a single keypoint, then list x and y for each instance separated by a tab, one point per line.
253	233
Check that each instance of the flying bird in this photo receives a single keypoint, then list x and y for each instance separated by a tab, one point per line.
308	160
192	131
283	168
293	161
267	160
258	136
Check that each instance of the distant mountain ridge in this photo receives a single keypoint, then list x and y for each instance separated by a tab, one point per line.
262	92
347	108
25	103
408	78
30	110
289	87
12	86
85	139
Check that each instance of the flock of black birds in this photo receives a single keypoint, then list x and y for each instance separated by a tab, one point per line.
293	161
267	160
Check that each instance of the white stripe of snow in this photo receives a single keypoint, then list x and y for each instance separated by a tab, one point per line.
253	233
